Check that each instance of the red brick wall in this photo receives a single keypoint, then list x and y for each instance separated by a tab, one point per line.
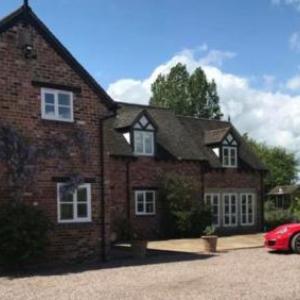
144	173
20	106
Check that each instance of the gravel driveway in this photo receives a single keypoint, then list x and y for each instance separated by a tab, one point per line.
240	274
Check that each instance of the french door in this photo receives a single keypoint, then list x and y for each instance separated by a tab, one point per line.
230	207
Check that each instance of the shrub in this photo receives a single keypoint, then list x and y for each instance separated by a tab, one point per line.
23	234
275	217
183	214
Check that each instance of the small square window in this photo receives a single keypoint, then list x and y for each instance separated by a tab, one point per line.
74	207
57	105
145	202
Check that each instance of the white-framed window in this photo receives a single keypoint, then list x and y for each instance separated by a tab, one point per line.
229	156
57	105
230	206
74	207
144	142
145	202
213	200
247	206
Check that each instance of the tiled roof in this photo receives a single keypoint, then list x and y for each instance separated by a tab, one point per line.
284	190
183	138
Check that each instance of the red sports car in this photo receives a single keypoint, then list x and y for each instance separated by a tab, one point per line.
284	237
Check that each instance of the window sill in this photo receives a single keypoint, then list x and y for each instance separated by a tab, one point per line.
143	155
79	222
145	215
57	120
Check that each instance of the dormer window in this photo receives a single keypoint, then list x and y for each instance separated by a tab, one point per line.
143	137
229	152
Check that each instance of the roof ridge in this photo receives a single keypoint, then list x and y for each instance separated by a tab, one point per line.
143	105
203	119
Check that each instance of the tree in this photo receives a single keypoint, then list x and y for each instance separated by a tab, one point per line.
186	94
281	163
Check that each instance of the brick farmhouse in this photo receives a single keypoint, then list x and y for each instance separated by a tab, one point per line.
45	93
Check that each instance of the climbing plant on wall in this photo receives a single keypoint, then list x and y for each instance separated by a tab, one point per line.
21	157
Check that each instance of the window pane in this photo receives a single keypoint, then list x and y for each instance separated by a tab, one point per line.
64	112
225	157
244	220
149	196
49	110
232	157
64	196
82	195
49	98
138	142
140	207
149	207
64	99
66	211
81	210
148	142
140	197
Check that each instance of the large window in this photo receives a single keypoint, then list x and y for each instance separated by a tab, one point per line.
74	207
145	202
247	209
143	136
229	157
57	105
230	209
213	200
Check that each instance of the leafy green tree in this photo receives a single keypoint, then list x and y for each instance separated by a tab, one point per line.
281	163
186	94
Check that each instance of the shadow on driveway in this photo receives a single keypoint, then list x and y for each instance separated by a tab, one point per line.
120	257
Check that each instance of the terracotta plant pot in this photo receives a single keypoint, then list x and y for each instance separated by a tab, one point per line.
139	248
210	243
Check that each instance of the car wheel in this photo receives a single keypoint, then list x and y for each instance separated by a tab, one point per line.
296	243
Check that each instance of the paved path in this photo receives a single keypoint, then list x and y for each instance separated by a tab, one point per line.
241	274
196	245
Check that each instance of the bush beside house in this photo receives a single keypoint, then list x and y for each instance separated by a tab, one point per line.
184	214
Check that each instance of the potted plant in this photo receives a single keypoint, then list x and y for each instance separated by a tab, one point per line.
138	245
210	239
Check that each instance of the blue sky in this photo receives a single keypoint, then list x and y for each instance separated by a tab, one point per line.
119	38
250	47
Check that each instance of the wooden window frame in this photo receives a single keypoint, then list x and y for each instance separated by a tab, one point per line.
56	116
75	219
212	195
144	212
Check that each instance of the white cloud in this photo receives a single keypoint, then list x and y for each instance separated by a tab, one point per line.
216	57
294	41
272	117
294	83
294	3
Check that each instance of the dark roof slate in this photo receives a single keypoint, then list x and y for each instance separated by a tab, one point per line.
215	136
182	137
